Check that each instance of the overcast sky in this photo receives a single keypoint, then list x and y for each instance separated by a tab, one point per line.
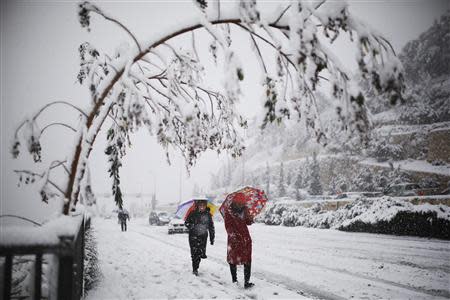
39	63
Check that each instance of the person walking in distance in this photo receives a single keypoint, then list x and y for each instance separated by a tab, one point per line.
123	216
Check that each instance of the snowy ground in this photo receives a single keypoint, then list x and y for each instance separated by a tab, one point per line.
288	262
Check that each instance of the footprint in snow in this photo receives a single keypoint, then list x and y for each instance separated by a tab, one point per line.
251	295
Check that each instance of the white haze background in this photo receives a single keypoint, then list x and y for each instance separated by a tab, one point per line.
39	63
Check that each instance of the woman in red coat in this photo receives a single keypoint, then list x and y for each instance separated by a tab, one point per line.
239	241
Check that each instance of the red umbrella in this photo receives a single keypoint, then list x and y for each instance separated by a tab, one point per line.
253	198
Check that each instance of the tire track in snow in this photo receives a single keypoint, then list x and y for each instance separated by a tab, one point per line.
353	243
309	290
282	281
438	293
351	251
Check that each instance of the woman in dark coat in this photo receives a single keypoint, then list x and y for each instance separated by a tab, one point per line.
199	222
239	241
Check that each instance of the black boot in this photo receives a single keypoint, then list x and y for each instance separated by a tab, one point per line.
195	265
247	273
203	241
233	270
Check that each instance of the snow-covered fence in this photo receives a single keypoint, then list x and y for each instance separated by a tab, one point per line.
61	239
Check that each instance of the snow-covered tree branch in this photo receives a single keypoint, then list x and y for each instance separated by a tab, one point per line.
165	91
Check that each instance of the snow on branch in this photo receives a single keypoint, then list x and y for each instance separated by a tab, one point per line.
83	13
168	89
31	133
48	188
142	85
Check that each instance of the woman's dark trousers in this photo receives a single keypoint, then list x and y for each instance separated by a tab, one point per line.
197	244
123	225
247	272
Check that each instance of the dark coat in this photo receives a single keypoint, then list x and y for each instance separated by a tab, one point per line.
239	240
200	223
123	216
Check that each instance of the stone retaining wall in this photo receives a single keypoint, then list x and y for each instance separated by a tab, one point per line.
439	145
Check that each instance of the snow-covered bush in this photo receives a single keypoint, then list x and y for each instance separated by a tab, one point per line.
22	285
430	182
391	216
427	102
394	176
383	149
22	280
314	182
382	215
364	180
92	272
292	214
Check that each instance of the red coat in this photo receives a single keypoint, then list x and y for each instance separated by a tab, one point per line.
239	241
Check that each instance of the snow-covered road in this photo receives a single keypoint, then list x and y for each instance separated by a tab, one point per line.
298	262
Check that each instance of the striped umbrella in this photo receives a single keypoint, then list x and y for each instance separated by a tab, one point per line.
185	208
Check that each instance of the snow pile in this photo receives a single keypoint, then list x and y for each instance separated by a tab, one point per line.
381	215
386	208
48	234
293	214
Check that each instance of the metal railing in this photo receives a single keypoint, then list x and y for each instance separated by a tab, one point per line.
69	251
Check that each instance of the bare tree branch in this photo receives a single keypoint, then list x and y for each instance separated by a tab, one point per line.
261	59
282	14
193	46
58	102
59	163
152	64
100	12
41	176
44	108
58	124
22	218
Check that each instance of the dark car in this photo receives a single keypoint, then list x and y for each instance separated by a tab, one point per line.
354	195
404	189
158	218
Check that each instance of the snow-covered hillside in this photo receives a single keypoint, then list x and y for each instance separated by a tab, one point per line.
408	141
